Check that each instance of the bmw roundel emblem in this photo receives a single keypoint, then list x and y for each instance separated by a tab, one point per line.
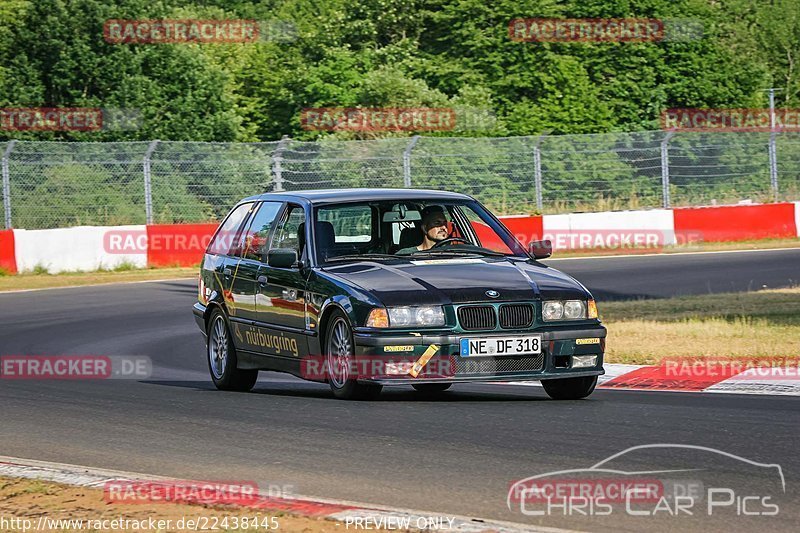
492	294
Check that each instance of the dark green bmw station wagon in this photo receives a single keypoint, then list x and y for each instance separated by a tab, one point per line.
364	288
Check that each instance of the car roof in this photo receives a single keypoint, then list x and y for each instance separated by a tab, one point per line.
323	196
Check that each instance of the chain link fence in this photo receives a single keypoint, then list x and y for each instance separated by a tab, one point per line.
53	184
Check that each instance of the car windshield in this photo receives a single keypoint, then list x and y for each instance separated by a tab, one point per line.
398	229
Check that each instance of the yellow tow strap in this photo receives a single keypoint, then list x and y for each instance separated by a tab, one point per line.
423	360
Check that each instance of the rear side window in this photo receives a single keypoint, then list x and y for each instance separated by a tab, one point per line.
288	234
226	235
256	238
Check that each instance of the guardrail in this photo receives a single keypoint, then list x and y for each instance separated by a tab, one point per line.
54	184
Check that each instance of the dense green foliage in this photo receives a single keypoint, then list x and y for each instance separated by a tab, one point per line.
392	53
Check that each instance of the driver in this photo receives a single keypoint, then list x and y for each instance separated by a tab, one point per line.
434	229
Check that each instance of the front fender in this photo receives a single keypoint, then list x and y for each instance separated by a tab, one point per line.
354	301
341	302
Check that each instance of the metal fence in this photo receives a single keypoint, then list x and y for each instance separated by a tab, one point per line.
53	184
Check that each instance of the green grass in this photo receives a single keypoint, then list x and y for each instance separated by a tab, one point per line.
31	280
749	324
124	266
40	270
38	487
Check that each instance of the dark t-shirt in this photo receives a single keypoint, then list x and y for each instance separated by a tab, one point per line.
406	251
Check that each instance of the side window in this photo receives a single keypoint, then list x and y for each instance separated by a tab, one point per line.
255	240
487	237
288	233
227	232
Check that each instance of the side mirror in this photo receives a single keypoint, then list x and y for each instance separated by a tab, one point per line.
283	258
540	249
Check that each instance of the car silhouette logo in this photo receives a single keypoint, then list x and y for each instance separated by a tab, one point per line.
492	294
609	469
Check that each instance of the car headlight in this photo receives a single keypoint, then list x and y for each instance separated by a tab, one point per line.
552	310
406	317
574	309
402	317
564	310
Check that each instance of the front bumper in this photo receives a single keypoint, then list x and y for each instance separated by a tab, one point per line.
555	361
490	377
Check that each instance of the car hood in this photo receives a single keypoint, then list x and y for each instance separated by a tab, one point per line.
445	281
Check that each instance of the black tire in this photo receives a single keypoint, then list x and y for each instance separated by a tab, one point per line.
431	388
339	350
221	357
570	388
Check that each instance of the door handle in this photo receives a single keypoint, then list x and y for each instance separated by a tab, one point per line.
227	272
262	280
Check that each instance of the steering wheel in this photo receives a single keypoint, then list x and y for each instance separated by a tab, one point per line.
448	241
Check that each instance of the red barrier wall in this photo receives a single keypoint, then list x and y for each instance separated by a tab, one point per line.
526	229
8	261
177	244
736	222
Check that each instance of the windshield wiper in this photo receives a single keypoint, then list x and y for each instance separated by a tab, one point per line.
357	257
477	251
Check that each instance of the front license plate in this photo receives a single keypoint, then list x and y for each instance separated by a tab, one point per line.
499	346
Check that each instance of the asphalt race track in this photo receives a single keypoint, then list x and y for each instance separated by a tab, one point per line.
661	276
456	453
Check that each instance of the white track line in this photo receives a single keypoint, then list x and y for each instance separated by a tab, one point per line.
84	476
89	285
670	254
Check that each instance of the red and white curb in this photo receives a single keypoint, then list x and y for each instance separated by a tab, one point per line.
654	378
348	513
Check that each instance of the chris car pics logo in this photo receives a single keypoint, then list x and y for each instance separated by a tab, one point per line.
651	480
